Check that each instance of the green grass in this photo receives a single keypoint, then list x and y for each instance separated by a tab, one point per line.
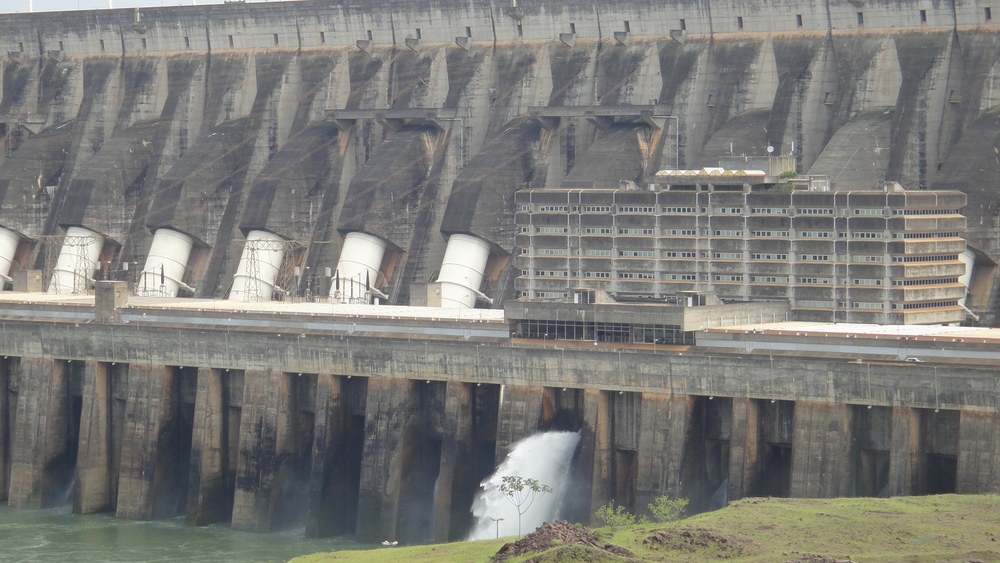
949	528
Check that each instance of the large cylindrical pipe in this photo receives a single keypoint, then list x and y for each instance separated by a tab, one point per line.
74	271
8	246
165	264
358	268
462	271
258	268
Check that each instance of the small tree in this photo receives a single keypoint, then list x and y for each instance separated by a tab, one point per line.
666	509
616	516
522	492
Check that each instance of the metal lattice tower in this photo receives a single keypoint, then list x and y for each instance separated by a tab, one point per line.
251	288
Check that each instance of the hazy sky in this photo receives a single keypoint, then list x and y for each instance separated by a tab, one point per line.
53	5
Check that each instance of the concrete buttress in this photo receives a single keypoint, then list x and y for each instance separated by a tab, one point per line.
455	471
659	456
210	494
821	445
596	441
905	439
147	470
39	464
96	479
7	423
266	444
978	453
388	414
325	493
743	449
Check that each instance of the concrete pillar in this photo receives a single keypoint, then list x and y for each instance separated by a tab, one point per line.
388	413
95	476
821	450
325	496
40	469
663	428
210	494
520	412
7	383
904	447
456	469
267	442
978	453
145	475
744	449
596	445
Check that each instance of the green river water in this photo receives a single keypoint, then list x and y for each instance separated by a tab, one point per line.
56	535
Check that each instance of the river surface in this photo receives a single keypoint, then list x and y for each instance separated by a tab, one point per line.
56	535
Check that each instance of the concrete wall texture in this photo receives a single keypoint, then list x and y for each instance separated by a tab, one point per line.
348	434
413	120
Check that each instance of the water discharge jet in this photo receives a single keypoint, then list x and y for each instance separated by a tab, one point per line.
544	456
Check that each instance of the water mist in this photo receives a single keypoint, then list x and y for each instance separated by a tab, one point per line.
546	457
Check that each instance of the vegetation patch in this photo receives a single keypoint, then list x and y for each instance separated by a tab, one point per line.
702	541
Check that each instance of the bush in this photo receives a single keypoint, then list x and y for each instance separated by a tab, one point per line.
616	516
666	509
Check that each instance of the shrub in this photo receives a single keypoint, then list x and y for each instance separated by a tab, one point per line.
666	509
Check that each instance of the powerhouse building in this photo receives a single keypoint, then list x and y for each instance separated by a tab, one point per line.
889	255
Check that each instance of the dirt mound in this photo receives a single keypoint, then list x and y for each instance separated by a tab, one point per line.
812	558
552	534
700	540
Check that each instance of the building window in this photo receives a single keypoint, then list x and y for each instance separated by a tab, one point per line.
552	208
143	40
684	26
598	252
598	274
988	14
102	45
597	231
275	39
636	253
769	257
739	23
728	233
322	38
814	257
769	279
923	17
551	230
729	255
635	231
187	42
637	276
231	42
798	21
861	19
597	209
867	282
635	209
728	278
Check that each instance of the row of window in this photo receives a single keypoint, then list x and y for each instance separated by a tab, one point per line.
688	210
604	252
739	233
934	281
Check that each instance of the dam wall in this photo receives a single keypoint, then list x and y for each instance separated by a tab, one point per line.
223	420
413	122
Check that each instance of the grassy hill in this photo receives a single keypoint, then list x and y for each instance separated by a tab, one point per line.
946	528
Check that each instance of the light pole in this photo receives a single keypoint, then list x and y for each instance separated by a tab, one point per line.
497	521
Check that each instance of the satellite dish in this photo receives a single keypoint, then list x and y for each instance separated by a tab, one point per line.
770	149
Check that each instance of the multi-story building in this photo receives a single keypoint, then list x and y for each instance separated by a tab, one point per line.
889	255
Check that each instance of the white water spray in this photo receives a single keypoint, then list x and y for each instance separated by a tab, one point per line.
545	457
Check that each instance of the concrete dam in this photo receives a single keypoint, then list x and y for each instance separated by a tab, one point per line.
262	195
